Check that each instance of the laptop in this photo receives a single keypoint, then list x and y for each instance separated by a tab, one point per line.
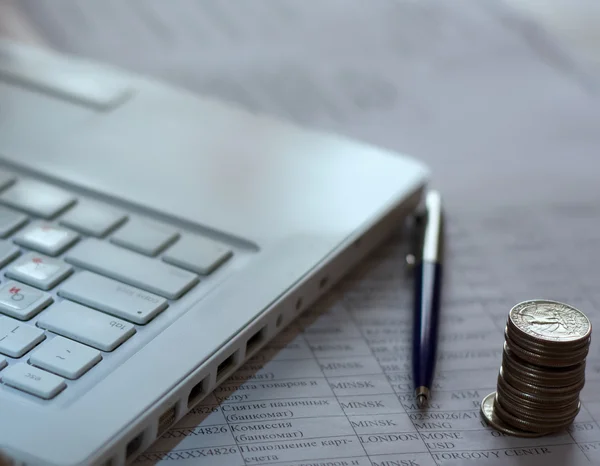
152	241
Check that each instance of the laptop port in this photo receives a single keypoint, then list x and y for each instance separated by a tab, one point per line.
134	445
196	393
255	340
166	419
225	366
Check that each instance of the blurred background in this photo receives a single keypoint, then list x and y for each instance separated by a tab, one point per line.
573	22
488	92
499	97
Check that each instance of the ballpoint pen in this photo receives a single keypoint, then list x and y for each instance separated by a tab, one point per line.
427	294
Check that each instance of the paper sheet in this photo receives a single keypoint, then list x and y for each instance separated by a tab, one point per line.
509	124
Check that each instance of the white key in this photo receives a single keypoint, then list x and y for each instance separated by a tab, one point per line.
3	363
7	252
131	268
85	325
46	238
90	86
37	198
6	179
65	357
113	297
10	221
38	270
92	219
33	380
198	254
22	301
17	338
145	238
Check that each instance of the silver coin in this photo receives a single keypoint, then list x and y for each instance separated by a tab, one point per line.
563	355
553	381
535	408
541	390
519	423
544	360
556	376
489	415
550	321
546	349
553	402
538	417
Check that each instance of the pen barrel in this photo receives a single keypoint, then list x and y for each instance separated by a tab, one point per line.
428	277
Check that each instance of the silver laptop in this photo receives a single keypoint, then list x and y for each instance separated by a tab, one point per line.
152	241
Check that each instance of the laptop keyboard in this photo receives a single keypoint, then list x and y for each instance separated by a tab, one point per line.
82	278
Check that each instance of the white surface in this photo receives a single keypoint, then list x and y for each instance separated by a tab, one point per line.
512	135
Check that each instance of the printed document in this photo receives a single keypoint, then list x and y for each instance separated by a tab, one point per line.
509	123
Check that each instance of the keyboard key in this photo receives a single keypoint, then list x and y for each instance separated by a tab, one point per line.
17	338
145	238
37	198
113	297
85	325
197	254
65	358
46	238
22	301
131	268
6	179
33	380
8	252
10	221
92	219
91	87
38	270
3	363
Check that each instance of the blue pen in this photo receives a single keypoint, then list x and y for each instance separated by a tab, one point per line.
427	295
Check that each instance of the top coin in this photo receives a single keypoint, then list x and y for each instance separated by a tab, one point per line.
550	321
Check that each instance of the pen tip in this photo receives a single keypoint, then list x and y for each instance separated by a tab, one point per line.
421	401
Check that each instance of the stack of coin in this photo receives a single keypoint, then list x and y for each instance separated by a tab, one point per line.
542	371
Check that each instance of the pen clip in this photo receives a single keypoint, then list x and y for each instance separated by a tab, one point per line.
417	224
